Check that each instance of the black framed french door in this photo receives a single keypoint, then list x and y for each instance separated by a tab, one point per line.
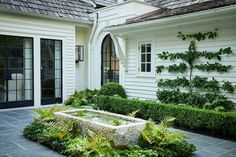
16	71
51	71
109	62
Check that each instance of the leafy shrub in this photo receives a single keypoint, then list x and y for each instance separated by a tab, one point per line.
112	89
220	104
82	98
214	122
207	101
91	95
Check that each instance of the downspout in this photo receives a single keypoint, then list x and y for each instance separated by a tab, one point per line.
95	25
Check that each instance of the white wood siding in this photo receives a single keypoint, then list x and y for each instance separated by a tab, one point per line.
36	27
166	40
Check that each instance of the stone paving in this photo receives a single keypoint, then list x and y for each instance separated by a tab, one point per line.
13	144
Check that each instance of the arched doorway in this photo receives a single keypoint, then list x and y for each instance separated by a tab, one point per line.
109	62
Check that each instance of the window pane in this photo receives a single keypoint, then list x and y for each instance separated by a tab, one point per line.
28	84
28	74
11	95
28	95
20	95
148	67
143	48
143	67
143	57
148	48
148	57
28	63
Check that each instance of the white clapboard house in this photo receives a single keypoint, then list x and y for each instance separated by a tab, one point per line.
50	48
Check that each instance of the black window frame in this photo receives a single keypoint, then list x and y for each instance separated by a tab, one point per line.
49	101
20	103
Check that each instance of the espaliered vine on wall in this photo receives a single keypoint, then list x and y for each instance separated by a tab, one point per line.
201	90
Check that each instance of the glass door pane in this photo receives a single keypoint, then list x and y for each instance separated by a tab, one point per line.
16	72
51	71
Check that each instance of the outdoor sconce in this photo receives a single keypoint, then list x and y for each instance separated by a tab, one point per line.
79	53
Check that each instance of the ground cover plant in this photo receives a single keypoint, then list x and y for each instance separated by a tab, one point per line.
208	121
190	88
68	138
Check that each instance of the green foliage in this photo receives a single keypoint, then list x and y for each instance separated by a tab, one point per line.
144	152
181	68
80	113
178	82
220	105
116	122
69	138
220	109
195	85
47	114
82	98
221	123
93	145
37	131
91	95
228	87
112	89
160	137
198	36
177	97
133	114
208	67
159	68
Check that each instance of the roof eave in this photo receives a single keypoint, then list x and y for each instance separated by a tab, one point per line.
47	16
139	25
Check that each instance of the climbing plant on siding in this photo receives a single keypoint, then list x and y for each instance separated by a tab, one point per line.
201	90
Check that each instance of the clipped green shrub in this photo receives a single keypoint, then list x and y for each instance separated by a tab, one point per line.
112	89
218	123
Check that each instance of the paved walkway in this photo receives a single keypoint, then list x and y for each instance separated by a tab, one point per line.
13	144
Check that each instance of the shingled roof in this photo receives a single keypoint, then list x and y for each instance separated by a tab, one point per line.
76	10
178	7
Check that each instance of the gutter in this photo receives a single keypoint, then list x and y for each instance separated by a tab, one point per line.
125	27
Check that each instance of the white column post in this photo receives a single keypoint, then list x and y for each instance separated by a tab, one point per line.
37	72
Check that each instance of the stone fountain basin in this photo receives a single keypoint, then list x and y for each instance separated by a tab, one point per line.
123	134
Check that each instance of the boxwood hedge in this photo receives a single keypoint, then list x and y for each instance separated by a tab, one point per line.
218	123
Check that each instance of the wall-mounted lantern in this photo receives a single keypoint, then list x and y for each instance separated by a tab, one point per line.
79	53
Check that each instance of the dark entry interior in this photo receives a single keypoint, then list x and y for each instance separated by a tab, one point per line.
110	62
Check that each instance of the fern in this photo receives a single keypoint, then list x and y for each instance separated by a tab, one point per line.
48	114
91	145
133	114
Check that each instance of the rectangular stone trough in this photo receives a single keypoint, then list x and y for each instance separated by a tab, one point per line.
122	129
